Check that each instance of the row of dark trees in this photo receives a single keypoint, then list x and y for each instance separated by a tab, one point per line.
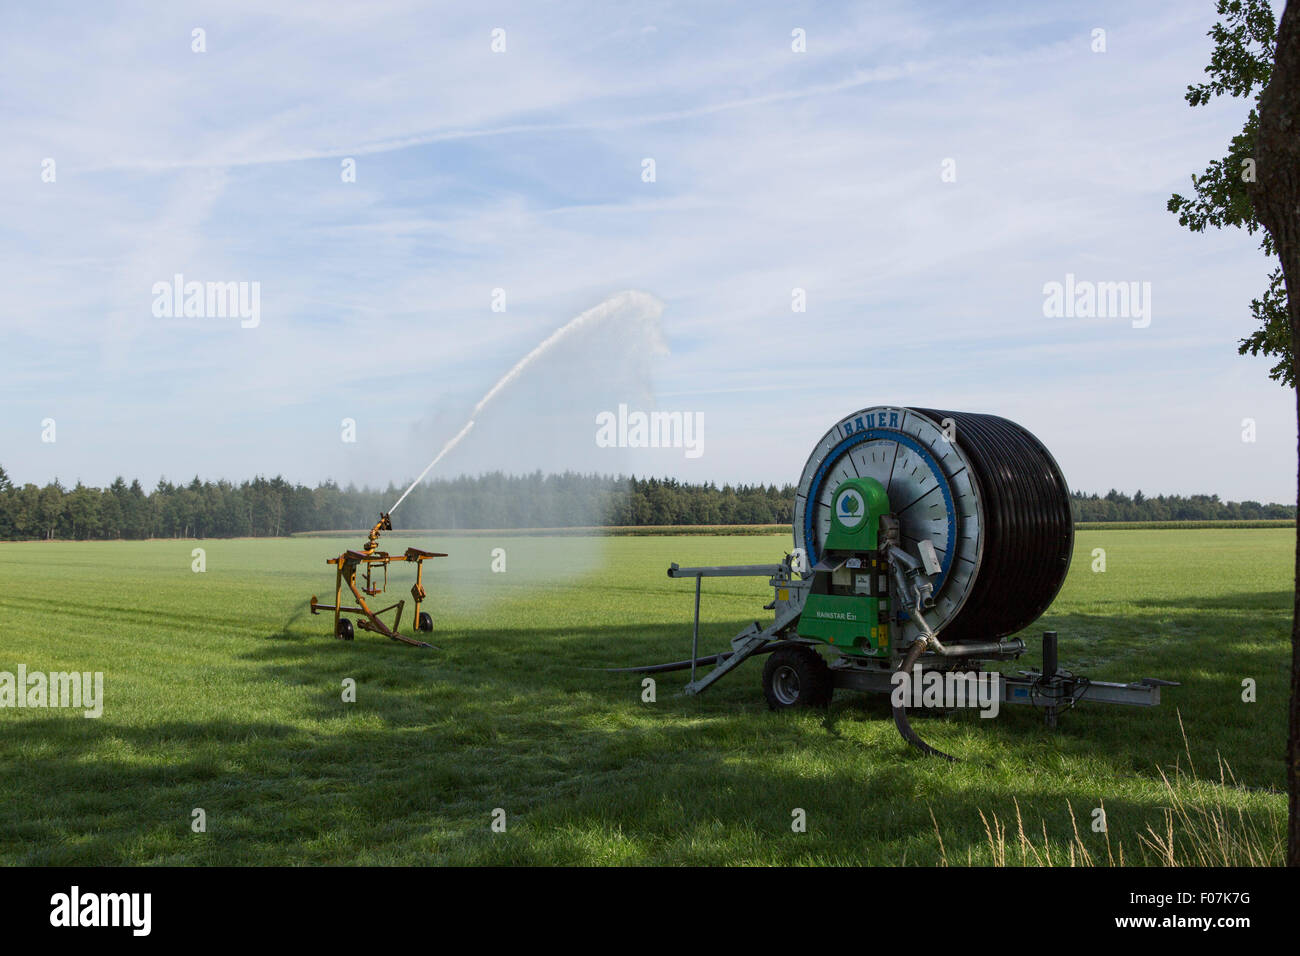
270	507
1115	506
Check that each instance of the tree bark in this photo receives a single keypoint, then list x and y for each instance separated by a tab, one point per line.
1276	197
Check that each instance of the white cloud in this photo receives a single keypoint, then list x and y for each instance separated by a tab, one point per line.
522	171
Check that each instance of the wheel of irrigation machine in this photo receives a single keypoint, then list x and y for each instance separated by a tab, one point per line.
346	633
425	622
796	677
984	491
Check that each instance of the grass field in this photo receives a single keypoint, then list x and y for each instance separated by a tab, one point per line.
223	693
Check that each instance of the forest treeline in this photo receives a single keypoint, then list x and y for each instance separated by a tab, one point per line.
269	507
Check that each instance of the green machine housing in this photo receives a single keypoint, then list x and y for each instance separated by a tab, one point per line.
848	603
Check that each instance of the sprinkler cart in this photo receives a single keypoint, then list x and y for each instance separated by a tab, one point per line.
367	562
911	523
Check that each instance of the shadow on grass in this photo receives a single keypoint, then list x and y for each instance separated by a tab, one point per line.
480	669
511	718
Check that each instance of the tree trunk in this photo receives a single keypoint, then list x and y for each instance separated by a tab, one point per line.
1276	197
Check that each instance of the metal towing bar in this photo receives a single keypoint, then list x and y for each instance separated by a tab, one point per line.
1050	688
752	640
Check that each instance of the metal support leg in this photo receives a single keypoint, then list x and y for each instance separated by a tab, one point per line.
695	640
1051	664
338	596
418	589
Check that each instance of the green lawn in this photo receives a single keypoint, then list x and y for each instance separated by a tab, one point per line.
223	693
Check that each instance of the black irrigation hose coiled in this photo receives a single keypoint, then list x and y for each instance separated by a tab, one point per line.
1028	529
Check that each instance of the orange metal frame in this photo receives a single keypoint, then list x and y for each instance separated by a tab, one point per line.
366	562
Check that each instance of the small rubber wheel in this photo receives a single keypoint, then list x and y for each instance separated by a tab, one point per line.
345	629
797	677
425	622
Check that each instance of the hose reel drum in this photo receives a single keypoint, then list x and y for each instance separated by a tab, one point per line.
983	491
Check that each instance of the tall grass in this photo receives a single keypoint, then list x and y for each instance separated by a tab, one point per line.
1201	827
1212	832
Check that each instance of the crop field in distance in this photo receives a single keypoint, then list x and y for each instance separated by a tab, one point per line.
223	694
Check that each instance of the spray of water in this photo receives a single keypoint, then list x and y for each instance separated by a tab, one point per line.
639	303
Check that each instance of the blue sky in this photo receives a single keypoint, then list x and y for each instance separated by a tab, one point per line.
522	170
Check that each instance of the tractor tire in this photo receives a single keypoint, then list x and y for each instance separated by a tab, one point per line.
797	677
425	622
346	633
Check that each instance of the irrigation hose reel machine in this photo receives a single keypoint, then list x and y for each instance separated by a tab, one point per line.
923	540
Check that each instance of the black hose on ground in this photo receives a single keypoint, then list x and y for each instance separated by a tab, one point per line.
900	713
